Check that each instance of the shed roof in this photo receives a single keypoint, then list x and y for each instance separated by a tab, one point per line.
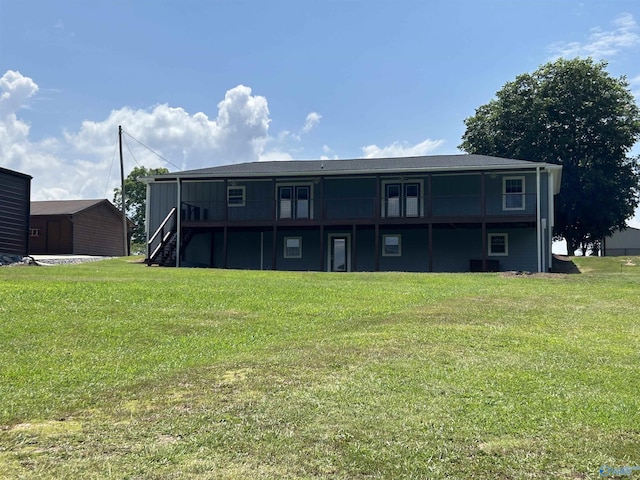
64	207
6	171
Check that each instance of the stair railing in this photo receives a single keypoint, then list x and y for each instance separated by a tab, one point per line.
160	237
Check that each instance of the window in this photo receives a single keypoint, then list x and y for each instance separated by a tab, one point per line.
402	199
236	196
34	232
498	244
294	201
513	193
412	199
293	247
391	246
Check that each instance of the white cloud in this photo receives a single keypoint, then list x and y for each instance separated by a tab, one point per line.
15	90
275	156
311	121
84	164
602	43
397	149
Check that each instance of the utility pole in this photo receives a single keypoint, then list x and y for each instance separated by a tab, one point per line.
124	208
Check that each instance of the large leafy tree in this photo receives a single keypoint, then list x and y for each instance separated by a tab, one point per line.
135	193
569	112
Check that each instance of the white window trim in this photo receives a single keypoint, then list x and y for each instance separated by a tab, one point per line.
506	245
402	182
384	237
244	195
505	194
285	247
295	184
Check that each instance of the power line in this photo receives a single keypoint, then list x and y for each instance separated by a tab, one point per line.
115	148
151	150
131	153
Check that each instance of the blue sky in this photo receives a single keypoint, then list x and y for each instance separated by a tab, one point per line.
211	82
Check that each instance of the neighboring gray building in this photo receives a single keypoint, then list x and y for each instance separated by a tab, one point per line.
622	242
15	193
445	213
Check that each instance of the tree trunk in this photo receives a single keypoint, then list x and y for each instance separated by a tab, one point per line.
572	245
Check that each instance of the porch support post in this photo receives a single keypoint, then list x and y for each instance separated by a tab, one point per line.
212	249
430	235
354	249
179	223
484	245
322	258
377	211
274	248
538	221
483	213
225	243
323	216
376	246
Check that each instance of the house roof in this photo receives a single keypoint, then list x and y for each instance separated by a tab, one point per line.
64	207
435	163
362	165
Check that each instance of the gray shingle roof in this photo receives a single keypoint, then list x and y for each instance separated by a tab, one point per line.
361	165
63	207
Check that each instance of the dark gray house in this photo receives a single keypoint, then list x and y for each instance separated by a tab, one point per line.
447	213
15	193
83	227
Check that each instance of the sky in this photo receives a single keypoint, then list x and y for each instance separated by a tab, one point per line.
199	83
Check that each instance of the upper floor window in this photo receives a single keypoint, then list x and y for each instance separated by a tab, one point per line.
402	199
294	201
236	196
513	193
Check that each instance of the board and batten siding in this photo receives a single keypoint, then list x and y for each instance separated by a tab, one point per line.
15	192
162	198
98	231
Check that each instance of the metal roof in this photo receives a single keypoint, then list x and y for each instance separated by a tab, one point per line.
14	173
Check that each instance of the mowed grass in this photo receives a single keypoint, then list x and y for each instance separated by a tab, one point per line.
117	370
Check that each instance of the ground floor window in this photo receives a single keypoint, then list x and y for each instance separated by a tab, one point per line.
391	245
293	247
498	244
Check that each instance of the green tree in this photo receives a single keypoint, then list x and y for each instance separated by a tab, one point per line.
136	200
569	112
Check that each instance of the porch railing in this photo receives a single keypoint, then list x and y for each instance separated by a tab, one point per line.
455	205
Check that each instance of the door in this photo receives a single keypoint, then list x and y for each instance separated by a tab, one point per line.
54	237
339	253
392	196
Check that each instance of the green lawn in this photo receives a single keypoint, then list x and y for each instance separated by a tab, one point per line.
116	370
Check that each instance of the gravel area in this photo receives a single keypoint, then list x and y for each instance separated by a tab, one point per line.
44	260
